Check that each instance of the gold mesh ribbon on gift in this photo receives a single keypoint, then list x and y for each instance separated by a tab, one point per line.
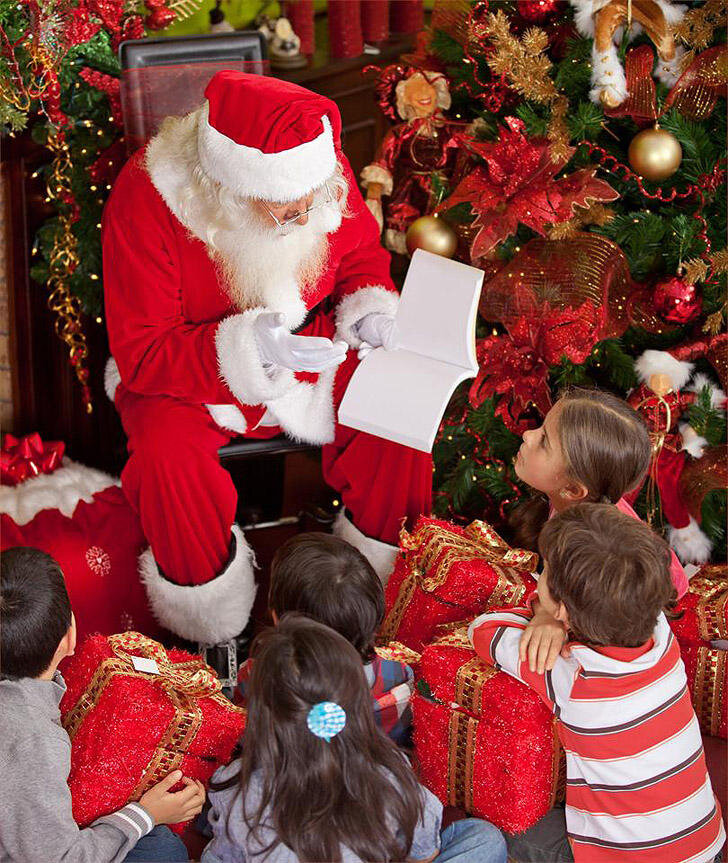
470	679
182	682
711	585
434	551
709	688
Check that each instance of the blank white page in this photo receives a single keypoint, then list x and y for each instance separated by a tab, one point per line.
437	310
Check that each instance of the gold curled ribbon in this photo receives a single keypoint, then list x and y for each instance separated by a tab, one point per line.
432	550
182	682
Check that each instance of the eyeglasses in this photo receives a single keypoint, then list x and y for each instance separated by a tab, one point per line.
327	200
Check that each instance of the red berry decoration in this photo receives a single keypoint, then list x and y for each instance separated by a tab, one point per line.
536	11
159	18
676	301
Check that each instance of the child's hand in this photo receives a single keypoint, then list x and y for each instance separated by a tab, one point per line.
542	641
168	808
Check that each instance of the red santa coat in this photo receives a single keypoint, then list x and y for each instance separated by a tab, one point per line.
181	348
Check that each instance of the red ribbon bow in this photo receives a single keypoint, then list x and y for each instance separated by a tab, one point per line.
25	457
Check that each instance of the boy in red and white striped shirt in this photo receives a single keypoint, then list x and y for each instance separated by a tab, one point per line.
637	787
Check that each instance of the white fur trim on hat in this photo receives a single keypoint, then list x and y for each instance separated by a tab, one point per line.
251	173
212	612
690	543
112	378
353	307
228	417
654	362
377	174
63	490
381	555
241	366
306	412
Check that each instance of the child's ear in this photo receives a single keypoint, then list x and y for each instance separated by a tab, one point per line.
274	616
562	614
574	492
71	636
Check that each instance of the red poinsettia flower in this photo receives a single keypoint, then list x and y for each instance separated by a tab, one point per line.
518	184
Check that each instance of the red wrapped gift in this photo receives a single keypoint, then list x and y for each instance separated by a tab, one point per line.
81	517
484	741
448	573
707	671
704	607
130	728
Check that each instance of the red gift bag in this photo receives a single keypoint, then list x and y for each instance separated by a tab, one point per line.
447	573
81	517
130	728
484	741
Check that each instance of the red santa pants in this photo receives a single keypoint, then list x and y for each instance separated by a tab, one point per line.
186	500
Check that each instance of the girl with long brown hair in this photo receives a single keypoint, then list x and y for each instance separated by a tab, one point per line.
317	780
591	447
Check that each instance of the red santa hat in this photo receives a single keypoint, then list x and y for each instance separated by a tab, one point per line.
265	138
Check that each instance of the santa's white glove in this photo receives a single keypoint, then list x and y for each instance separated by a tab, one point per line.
278	347
376	330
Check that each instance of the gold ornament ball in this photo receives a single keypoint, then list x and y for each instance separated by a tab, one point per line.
655	154
433	235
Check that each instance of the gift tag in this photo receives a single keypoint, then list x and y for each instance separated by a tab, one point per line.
143	663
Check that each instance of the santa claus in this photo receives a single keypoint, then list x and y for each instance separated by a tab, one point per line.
242	273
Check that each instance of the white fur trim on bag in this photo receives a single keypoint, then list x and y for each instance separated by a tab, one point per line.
62	490
654	362
381	555
251	173
377	174
228	417
112	378
607	76
690	543
306	412
353	307
212	612
240	364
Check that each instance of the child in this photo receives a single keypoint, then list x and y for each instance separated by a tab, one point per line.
317	780
328	580
37	631
594	447
637	787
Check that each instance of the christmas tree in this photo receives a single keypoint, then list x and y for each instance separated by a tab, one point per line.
596	206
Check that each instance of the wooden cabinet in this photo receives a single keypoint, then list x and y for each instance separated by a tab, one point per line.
46	396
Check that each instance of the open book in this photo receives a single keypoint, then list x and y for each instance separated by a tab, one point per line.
401	394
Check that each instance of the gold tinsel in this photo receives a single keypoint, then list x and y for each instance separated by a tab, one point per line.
694	271
63	261
595	214
697	26
524	63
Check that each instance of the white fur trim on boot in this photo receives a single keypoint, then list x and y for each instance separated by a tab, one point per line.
377	174
353	307
209	613
690	543
240	364
228	417
63	490
378	553
306	412
112	378
608	78
663	363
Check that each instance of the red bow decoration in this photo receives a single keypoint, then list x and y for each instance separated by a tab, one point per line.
518	184
694	94
28	456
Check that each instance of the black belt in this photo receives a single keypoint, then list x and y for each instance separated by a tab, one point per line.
324	307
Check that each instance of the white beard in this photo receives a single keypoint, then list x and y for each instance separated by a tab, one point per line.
274	267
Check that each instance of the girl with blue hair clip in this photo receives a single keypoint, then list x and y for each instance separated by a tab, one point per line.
317	780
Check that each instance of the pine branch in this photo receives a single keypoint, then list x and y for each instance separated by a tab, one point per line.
707	421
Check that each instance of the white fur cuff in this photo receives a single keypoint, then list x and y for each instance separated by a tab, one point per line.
379	554
228	417
112	378
690	543
241	366
209	613
306	412
377	174
353	307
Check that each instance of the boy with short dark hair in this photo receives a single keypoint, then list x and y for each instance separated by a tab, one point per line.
331	582
37	631
637	787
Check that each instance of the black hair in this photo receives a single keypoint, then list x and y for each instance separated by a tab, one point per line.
35	611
